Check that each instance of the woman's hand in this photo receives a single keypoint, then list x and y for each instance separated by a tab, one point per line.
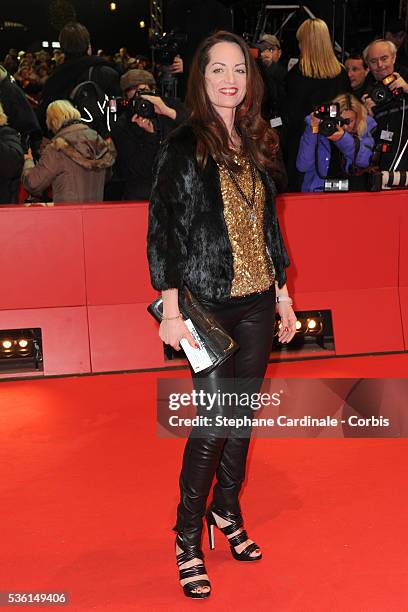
314	123
288	322
172	331
339	133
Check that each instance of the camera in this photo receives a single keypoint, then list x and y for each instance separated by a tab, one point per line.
139	106
135	105
330	119
381	94
166	47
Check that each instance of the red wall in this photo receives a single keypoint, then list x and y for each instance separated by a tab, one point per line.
80	273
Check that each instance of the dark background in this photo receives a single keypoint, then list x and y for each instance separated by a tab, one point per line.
111	30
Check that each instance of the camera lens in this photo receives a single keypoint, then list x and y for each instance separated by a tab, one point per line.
327	127
143	106
379	95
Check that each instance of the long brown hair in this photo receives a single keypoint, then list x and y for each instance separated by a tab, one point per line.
259	141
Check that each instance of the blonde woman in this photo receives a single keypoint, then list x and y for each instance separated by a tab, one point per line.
317	78
11	161
76	161
339	155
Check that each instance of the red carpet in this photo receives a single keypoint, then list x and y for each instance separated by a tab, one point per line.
88	496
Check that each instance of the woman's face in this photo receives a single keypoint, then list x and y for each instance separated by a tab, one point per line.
225	75
352	116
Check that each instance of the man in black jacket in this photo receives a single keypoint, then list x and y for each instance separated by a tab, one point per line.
388	104
273	75
79	65
137	139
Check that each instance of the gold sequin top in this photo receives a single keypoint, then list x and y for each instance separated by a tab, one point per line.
253	267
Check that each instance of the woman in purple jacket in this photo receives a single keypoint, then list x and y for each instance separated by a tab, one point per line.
340	154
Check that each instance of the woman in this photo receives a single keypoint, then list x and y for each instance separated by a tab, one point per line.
11	161
341	154
317	78
213	227
75	162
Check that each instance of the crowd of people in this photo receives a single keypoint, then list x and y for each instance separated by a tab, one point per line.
32	69
335	121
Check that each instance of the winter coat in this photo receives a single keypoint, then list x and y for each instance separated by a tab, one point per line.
306	159
303	95
273	103
75	163
11	164
187	234
137	149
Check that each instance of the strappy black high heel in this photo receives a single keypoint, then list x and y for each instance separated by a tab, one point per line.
236	523
191	552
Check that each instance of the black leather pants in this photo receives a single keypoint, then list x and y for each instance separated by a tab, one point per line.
223	452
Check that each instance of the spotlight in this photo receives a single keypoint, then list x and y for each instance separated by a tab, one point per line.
314	333
142	24
314	326
21	350
112	6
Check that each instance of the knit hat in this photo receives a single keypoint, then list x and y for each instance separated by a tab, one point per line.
135	77
267	41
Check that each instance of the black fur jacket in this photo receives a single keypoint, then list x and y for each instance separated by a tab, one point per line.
187	235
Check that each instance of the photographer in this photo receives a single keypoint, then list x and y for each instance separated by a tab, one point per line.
138	135
335	147
273	73
317	77
386	100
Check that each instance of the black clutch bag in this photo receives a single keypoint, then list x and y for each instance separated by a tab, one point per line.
217	342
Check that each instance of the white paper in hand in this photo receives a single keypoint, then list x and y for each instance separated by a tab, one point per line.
198	357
